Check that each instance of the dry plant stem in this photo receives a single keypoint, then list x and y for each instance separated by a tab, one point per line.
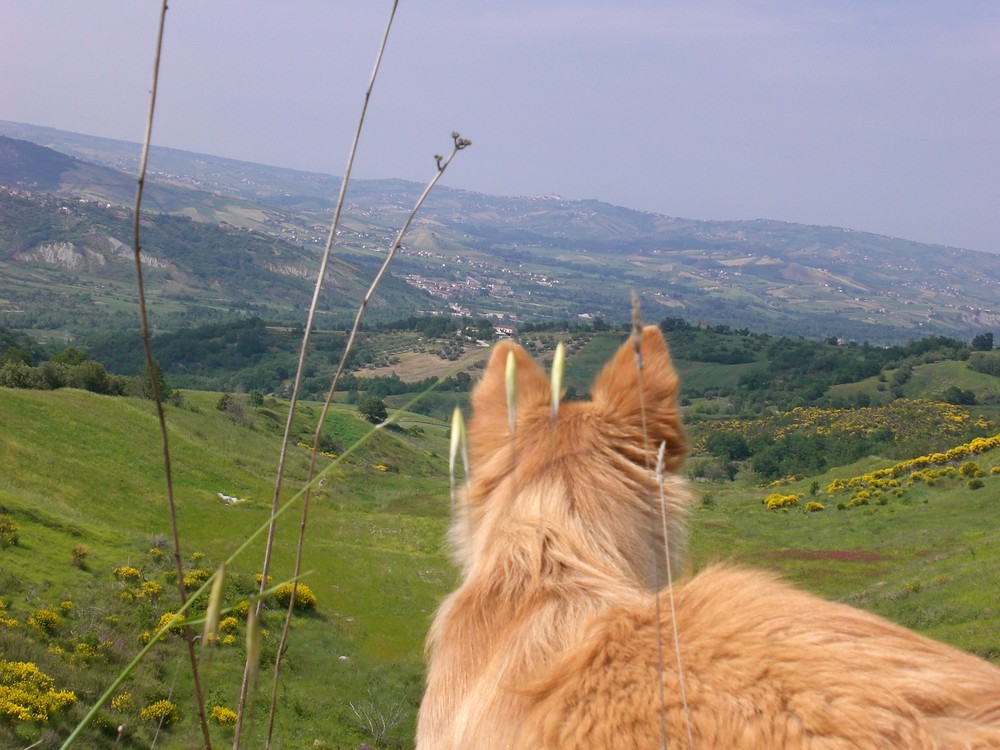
154	382
636	343
442	164
321	276
670	578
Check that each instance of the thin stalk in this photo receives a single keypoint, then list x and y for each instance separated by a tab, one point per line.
304	350
637	346
442	164
154	380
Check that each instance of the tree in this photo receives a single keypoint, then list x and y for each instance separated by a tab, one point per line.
730	445
373	409
70	356
983	342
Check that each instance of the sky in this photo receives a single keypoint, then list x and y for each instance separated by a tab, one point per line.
876	115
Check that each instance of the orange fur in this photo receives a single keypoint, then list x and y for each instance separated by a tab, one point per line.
552	640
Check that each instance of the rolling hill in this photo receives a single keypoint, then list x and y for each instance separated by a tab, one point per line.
546	258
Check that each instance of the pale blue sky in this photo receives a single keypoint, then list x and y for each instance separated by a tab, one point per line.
881	116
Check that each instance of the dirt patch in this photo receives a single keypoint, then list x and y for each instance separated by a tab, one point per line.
414	366
843	555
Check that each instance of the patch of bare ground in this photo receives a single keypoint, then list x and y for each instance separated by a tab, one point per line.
843	555
415	366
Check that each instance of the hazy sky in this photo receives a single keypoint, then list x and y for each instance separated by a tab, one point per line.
878	115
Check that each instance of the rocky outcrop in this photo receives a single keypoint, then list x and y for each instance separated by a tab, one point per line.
88	256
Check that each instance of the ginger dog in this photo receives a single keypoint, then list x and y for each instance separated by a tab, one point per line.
555	638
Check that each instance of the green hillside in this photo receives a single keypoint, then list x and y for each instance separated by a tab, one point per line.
528	258
84	471
883	497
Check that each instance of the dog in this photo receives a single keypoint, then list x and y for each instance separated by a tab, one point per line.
557	637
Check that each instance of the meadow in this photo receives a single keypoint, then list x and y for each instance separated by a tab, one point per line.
83	487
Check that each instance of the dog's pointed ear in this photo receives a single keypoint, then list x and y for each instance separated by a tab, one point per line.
617	392
489	428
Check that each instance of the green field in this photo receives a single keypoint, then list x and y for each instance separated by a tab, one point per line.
86	470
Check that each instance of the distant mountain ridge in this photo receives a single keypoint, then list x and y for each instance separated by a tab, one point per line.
549	258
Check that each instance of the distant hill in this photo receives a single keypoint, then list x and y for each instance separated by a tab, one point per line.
547	258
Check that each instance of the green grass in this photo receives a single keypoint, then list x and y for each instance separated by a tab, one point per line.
927	560
81	469
86	469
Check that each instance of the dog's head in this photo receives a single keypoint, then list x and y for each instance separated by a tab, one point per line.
585	479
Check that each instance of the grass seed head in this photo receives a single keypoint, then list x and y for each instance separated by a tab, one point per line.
214	610
510	380
558	367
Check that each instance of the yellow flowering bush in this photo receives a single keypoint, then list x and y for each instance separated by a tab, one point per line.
304	597
28	694
906	418
161	711
776	500
148	590
8	532
45	620
123	703
228	624
223	716
168	619
127	574
84	653
194	578
927	469
813	506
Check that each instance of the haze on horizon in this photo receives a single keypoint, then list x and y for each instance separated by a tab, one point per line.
880	116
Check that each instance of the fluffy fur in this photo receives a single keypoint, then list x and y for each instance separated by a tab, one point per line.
553	640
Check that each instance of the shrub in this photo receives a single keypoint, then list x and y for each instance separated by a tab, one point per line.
162	711
148	590
228	625
45	620
127	574
8	532
194	578
166	619
373	409
84	653
776	500
28	694
79	555
123	703
304	597
975	484
813	507
969	469
223	716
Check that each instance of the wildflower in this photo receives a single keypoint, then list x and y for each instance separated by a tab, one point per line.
162	711
223	716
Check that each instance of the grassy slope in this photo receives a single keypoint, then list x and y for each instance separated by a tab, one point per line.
85	469
928	560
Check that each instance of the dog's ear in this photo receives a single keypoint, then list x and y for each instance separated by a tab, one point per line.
654	407
489	429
